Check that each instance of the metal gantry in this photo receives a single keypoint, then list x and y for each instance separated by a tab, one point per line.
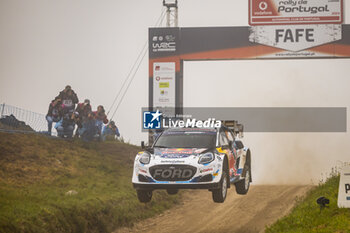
171	13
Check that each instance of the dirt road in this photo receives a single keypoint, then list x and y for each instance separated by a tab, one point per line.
263	205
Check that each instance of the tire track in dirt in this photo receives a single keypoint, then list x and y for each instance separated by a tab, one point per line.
262	206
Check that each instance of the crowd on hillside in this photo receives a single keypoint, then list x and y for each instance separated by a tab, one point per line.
78	119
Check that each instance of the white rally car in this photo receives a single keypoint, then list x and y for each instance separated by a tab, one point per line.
193	158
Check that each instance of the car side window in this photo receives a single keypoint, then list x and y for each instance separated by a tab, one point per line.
223	139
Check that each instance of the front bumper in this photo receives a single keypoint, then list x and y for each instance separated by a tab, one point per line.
149	186
203	176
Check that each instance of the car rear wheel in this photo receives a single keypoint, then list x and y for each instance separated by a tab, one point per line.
242	186
144	196
219	195
172	191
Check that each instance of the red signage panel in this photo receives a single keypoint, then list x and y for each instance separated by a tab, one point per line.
279	12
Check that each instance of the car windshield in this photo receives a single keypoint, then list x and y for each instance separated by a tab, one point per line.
185	139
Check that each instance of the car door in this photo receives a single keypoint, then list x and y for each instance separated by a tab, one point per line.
224	142
239	148
231	139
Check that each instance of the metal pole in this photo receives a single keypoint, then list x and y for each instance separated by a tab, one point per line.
2	110
172	13
176	16
168	17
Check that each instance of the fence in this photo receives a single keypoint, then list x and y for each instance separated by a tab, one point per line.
16	119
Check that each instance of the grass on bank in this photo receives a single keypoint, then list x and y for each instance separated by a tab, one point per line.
307	216
36	172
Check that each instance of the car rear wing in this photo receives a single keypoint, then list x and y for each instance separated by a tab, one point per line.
236	128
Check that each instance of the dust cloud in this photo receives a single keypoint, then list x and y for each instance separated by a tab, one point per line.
290	158
278	158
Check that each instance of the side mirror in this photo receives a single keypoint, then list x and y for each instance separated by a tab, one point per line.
239	145
143	145
230	143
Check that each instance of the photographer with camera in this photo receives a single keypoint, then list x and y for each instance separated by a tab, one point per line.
84	109
66	125
54	113
110	130
69	97
89	129
101	118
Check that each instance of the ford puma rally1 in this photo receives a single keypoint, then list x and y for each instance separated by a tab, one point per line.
193	158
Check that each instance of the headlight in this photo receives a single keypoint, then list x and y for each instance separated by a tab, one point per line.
145	158
206	158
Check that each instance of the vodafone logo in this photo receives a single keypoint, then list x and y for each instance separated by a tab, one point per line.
263	6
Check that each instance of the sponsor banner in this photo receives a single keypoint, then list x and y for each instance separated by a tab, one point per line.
295	37
344	188
258	42
272	12
163	41
164	74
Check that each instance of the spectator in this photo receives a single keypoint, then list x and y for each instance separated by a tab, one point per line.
68	97
54	113
89	129
110	129
101	118
65	126
83	109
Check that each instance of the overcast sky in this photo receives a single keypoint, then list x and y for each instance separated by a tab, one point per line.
92	44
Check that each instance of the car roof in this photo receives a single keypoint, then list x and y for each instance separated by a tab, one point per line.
202	130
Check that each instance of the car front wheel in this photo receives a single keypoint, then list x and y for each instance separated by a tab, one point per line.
242	186
219	195
144	196
172	191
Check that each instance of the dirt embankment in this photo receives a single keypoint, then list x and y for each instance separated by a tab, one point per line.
263	205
